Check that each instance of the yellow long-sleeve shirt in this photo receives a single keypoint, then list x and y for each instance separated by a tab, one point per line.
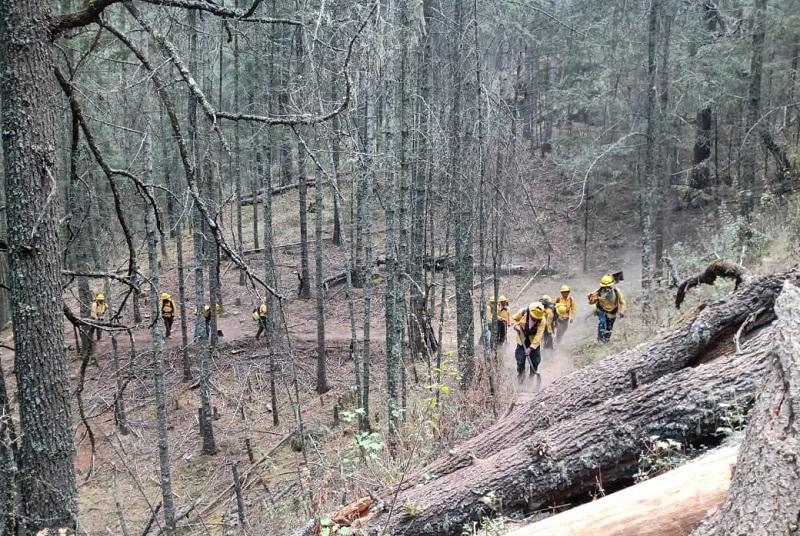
535	328
502	313
611	301
98	310
572	307
549	315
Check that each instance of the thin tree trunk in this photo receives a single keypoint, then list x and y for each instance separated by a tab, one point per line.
165	477
304	290
322	379
748	182
237	150
649	183
46	472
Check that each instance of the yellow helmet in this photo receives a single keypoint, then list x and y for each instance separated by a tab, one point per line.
503	299
607	280
562	309
546	298
165	296
491	299
565	288
100	297
206	309
537	310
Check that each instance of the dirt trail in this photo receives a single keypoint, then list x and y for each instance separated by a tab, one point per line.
560	361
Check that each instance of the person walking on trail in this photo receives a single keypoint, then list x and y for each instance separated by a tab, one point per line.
550	313
167	312
609	303
566	310
529	323
260	314
98	314
503	319
207	316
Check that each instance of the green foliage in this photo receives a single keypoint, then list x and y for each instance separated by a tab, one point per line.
489	526
329	528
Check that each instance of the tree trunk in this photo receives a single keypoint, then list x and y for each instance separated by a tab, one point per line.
672	504
159	374
649	180
763	497
747	181
465	328
702	149
322	379
574	459
237	150
46	453
702	332
304	290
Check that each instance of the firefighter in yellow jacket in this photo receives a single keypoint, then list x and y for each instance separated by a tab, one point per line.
550	314
500	314
167	312
566	310
609	303
260	314
98	313
529	323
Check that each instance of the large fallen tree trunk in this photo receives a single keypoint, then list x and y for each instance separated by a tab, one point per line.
685	346
576	458
672	504
764	497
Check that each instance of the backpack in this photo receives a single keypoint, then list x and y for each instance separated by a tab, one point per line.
166	307
255	314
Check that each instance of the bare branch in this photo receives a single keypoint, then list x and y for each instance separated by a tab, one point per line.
92	9
188	167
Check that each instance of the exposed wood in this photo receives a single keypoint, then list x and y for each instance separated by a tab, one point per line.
570	461
672	504
684	346
718	268
764	497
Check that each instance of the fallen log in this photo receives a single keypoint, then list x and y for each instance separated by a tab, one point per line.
672	504
684	346
764	497
576	458
278	190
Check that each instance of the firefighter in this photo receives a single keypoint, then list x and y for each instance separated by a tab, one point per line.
98	313
566	310
207	316
529	323
550	313
260	314
503	319
609	303
167	312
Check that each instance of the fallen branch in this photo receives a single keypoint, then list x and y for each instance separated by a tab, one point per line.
718	268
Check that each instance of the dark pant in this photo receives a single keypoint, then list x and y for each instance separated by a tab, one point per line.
535	357
561	327
168	325
262	326
93	330
605	324
501	332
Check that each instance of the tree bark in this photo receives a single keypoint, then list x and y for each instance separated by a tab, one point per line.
747	181
165	475
46	453
573	459
706	331
702	149
764	497
322	379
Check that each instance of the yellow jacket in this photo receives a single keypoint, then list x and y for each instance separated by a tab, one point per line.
167	308
569	301
98	310
502	314
549	314
611	301
519	318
